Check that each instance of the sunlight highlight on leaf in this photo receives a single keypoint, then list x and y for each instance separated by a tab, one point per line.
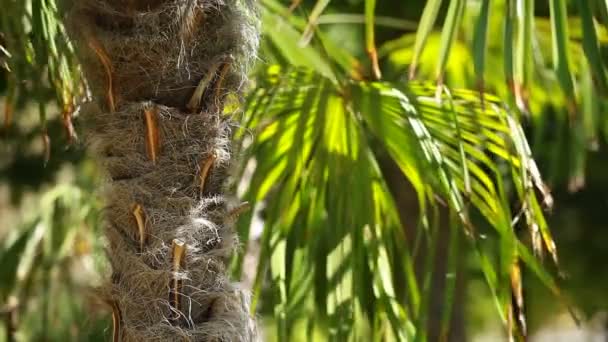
453	149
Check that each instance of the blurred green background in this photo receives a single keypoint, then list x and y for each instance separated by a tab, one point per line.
51	247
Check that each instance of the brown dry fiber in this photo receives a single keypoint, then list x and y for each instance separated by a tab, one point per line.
143	59
162	53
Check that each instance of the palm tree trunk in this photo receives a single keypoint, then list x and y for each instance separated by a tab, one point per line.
159	72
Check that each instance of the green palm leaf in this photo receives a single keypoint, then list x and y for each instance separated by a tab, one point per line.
314	139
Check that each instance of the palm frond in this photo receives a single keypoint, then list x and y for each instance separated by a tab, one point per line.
39	59
335	247
539	56
333	233
59	235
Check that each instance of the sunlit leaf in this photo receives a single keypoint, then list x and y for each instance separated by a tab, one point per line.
449	148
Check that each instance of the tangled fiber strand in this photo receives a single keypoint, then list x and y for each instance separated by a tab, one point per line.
160	50
158	71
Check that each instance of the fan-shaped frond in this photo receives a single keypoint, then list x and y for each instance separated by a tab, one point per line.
334	239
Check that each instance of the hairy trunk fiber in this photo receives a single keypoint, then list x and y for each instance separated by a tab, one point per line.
159	71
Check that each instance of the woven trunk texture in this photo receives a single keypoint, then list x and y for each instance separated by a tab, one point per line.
159	72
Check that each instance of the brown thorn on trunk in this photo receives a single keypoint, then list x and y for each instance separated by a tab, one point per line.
205	166
96	46
116	321
195	101
140	218
152	134
178	258
217	95
234	214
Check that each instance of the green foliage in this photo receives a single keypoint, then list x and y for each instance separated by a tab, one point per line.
316	138
460	147
320	125
37	55
46	260
553	70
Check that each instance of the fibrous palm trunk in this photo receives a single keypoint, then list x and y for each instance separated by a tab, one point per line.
159	72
